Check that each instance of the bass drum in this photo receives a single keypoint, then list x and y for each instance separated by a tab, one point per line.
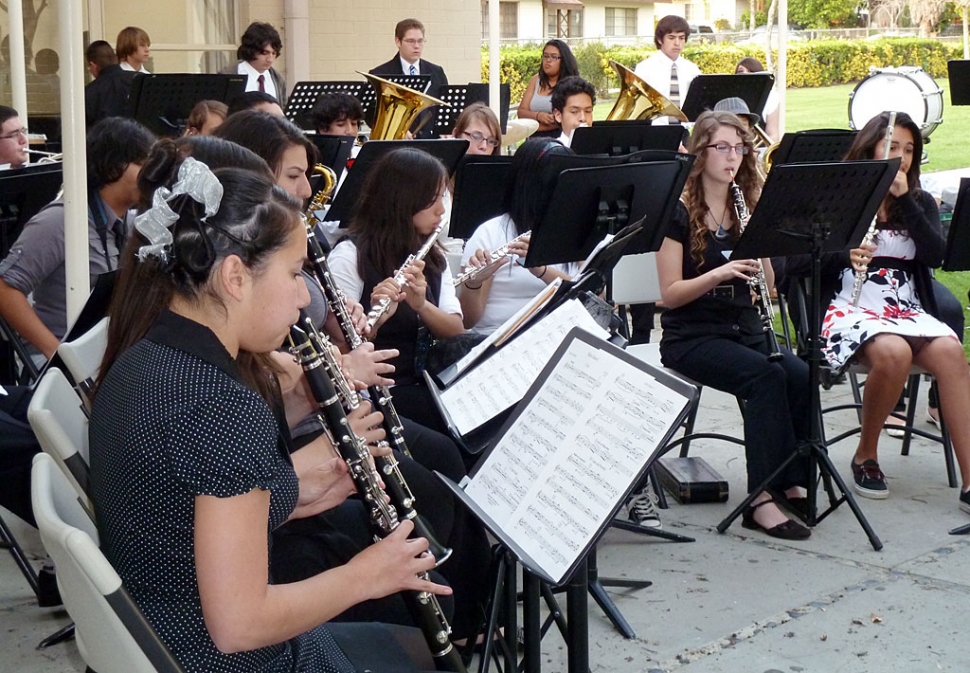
907	89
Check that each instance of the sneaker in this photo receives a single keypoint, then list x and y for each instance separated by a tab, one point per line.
870	482
643	510
965	501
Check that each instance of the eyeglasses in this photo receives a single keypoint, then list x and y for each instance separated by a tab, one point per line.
478	137
414	42
724	148
15	134
551	57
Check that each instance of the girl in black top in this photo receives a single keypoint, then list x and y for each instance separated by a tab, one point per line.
712	332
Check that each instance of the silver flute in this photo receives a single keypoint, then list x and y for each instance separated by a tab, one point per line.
500	253
378	310
860	276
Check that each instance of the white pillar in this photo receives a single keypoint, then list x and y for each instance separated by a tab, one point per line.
76	263
296	27
494	59
18	65
782	82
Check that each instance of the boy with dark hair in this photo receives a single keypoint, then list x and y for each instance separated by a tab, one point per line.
107	95
259	48
13	139
665	70
254	100
116	149
337	114
572	106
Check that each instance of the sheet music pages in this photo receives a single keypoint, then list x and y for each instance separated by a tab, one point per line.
504	378
558	472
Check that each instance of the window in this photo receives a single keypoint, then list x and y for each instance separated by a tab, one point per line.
691	12
564	23
508	13
621	21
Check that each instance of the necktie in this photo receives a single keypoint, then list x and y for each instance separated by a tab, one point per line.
414	71
674	86
262	83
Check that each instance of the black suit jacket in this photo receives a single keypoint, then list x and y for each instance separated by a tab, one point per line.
107	94
438	82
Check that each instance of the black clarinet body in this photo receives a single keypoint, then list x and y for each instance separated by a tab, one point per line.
424	607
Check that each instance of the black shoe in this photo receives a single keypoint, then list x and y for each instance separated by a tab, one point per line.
965	501
869	481
789	530
48	596
797	505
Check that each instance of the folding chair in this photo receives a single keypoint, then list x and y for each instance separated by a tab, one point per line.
82	357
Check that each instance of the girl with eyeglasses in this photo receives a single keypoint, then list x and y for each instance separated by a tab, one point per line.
712	331
558	63
479	126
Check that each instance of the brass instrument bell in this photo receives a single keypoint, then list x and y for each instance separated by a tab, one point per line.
639	100
397	108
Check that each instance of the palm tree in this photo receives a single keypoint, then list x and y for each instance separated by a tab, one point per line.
927	14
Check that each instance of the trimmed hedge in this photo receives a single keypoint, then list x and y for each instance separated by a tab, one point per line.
810	64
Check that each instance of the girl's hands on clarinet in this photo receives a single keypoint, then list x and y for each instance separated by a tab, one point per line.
861	256
393	564
744	269
370	366
367	426
324	479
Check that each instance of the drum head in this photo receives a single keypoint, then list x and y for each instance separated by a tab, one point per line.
909	90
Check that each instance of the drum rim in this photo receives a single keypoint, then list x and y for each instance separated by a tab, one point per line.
926	127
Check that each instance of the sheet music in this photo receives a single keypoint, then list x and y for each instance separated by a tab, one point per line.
503	379
560	469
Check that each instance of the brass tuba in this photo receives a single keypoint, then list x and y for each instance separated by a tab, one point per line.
639	100
397	108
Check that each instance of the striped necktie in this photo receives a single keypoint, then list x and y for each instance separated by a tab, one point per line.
674	86
414	71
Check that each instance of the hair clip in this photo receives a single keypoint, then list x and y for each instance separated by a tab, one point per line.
194	179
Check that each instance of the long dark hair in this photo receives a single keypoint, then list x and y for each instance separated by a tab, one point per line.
401	184
864	149
568	66
267	135
531	180
748	178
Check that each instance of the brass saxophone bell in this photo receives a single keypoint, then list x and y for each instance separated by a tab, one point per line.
639	100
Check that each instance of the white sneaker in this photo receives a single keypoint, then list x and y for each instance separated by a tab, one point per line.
643	510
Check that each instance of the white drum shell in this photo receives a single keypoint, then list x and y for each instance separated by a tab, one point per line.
907	89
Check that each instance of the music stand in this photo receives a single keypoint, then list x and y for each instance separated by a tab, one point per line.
480	184
449	152
368	95
460	96
957	257
162	103
23	192
815	146
625	137
706	90
333	151
814	209
305	95
959	74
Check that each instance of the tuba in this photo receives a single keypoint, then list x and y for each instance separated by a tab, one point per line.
639	100
397	108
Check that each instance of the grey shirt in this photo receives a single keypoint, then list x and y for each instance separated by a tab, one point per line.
35	263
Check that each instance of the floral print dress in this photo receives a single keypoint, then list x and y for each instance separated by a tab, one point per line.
888	305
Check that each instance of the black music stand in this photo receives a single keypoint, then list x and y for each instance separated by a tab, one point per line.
449	152
814	209
957	257
368	95
333	151
162	103
959	74
625	137
23	192
480	183
815	146
460	96
706	90
305	94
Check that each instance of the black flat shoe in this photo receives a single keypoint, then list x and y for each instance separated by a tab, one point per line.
789	530
797	505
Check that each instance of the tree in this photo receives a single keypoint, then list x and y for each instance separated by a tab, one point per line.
927	14
31	18
823	13
892	9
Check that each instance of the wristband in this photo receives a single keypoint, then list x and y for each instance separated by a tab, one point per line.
476	287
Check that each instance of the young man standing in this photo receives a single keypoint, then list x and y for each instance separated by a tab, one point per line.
116	150
107	94
259	48
409	38
572	106
13	139
665	70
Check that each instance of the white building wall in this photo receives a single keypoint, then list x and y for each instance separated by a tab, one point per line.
532	22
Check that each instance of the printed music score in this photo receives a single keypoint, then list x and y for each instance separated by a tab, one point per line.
502	380
560	469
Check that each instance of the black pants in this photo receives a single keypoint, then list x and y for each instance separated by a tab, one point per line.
776	395
18	446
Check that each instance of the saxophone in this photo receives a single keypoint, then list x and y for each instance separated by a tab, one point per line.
328	386
496	255
757	281
860	276
378	310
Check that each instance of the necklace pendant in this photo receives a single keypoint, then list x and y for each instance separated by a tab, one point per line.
721	233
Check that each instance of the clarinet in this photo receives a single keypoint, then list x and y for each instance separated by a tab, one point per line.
380	396
497	254
423	606
758	282
861	276
378	310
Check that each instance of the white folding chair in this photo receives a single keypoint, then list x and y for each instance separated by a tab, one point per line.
57	418
112	633
83	355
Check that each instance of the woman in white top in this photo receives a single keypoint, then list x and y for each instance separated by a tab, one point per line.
505	285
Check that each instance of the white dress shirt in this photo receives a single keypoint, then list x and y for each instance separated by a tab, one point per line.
655	71
252	81
406	67
127	66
